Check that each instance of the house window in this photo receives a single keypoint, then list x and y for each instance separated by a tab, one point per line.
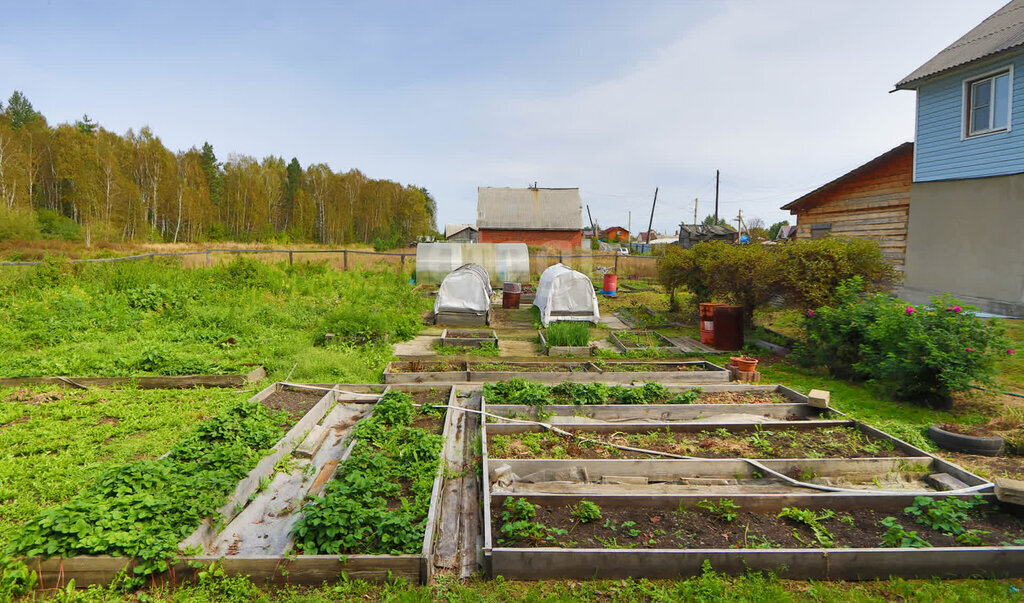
988	104
820	230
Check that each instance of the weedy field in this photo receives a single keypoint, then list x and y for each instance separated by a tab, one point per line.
156	318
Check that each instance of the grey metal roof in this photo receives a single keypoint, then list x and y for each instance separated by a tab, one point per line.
1001	32
699	230
529	208
454	229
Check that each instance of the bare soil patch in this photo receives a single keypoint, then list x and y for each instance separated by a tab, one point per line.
295	403
695	528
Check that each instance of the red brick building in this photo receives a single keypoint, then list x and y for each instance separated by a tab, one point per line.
535	216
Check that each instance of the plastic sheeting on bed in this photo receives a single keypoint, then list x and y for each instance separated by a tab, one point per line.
465	289
565	294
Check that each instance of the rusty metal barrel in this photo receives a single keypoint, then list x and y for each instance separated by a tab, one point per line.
510	293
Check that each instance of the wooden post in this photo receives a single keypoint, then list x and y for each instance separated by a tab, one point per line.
290	258
344	255
616	263
403	262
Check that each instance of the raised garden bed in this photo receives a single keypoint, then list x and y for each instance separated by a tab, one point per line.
634	341
642	317
555	372
468	339
563	350
155	382
258	520
573	395
792	440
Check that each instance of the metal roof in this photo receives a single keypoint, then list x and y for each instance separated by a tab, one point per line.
454	229
1001	32
699	230
529	208
811	198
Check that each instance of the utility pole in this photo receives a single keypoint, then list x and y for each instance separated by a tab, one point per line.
716	196
629	222
695	211
593	231
651	223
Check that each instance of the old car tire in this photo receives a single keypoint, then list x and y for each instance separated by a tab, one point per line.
947	440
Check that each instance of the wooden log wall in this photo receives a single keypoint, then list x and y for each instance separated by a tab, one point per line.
872	202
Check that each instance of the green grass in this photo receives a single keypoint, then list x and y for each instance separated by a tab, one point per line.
138	318
568	333
54	442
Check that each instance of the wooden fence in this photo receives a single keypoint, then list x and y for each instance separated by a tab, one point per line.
344	259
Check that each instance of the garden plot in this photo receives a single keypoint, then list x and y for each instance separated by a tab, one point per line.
636	341
373	520
778	496
555	372
520	392
468	339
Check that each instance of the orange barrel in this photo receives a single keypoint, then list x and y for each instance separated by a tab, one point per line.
611	284
728	326
510	293
707	322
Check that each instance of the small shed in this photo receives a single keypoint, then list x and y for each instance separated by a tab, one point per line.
460	233
551	217
565	294
691	234
464	296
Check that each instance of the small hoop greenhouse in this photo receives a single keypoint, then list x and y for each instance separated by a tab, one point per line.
565	294
464	296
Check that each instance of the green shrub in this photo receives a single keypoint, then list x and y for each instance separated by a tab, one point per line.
586	511
56	226
568	333
926	353
18	224
804	273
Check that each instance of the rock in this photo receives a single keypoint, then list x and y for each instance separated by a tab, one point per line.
1010	490
944	482
818	398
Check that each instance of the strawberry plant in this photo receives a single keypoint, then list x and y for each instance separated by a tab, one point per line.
144	508
945	515
378	504
586	511
896	536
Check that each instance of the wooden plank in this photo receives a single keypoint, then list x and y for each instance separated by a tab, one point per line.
802	564
155	382
311	443
511	428
660	412
452	427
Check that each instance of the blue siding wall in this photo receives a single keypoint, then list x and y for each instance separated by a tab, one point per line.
940	154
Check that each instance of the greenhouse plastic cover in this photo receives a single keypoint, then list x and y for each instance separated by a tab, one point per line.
465	289
504	262
565	294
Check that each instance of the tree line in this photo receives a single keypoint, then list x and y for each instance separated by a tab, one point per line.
82	181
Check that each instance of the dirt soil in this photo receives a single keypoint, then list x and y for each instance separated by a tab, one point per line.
421	366
696	528
296	403
742	398
832	442
989	467
649	367
459	334
437	396
542	367
511	319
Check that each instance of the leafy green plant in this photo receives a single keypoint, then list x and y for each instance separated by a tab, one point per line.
518	391
688	397
896	536
518	525
812	520
586	511
645	394
725	509
379	504
629	529
944	515
145	508
927	353
568	333
581	393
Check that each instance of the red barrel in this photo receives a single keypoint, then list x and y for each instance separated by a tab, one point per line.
728	325
707	322
510	293
611	284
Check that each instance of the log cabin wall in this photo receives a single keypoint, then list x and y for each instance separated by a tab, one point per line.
871	202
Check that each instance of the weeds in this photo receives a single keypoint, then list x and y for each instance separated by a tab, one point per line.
812	520
725	509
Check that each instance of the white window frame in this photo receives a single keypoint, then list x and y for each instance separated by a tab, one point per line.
965	132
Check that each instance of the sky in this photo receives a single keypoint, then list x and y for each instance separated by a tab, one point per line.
616	98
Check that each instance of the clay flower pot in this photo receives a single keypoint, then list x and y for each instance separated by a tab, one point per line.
744	363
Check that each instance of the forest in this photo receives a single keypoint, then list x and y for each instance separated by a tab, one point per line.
82	182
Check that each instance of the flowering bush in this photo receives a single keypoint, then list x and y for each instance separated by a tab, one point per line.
925	352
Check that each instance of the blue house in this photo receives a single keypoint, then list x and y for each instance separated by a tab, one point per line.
967	195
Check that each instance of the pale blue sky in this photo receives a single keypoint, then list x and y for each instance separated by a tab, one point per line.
613	97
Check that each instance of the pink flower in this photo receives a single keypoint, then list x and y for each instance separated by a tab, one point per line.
957	309
970	349
1011	351
910	310
810	314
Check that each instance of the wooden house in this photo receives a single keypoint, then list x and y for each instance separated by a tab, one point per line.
869	202
460	233
967	196
615	234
